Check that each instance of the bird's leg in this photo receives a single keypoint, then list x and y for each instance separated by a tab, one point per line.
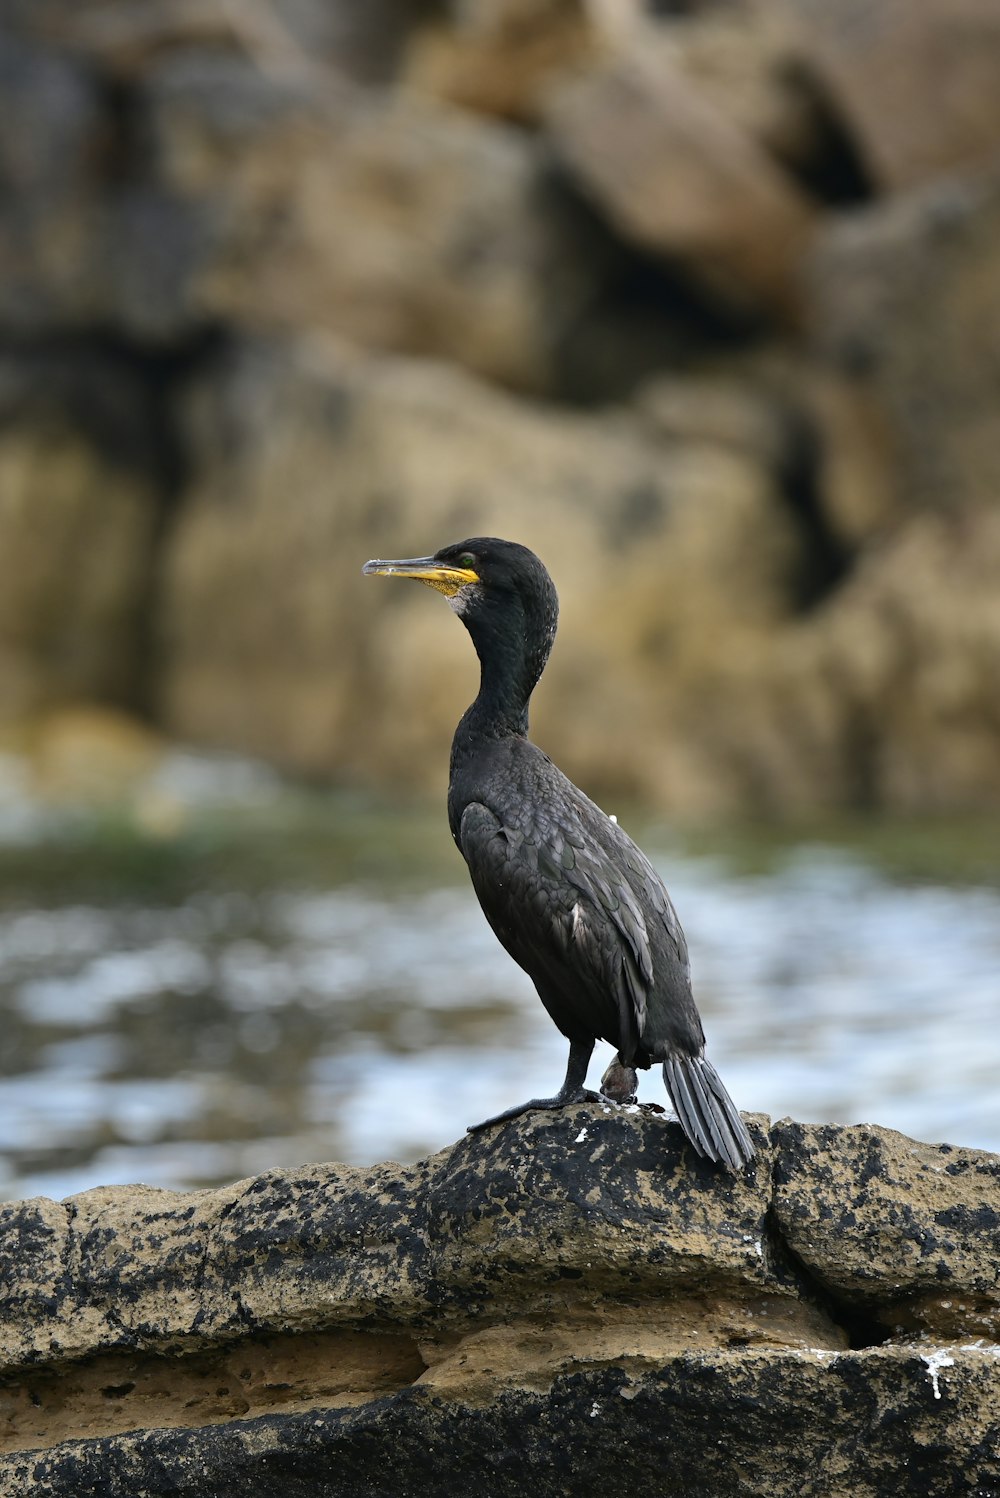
571	1091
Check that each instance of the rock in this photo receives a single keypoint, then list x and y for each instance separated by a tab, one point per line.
677	176
500	57
172	170
906	299
460	244
743	59
723	413
907	1231
738	547
917	84
481	1228
302	36
851	455
525	1305
863	1423
883	696
50	146
76	535
311	461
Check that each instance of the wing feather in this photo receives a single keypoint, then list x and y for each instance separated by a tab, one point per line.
557	900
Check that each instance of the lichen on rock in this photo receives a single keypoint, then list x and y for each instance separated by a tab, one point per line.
561	1303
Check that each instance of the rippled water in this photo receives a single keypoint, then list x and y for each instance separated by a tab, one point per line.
192	1011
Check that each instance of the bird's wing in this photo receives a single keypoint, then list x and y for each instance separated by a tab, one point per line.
555	896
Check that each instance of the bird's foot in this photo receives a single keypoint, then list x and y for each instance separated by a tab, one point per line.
619	1083
561	1100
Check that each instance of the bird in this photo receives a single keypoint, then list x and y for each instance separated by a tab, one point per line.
566	891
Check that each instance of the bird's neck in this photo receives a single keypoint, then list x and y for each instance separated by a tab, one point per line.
512	656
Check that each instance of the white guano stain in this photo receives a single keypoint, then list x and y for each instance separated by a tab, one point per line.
935	1362
580	1137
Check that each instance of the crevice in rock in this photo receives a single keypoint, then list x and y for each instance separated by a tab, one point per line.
164	374
112	1393
649	317
122	159
833	171
123	397
858	1324
826	559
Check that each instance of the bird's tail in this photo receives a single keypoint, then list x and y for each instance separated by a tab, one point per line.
708	1115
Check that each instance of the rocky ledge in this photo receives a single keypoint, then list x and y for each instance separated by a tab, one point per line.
566	1305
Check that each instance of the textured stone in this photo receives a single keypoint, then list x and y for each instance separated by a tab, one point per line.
513	1223
50	151
863	1424
679	177
460	245
748	575
744	58
322	461
917	84
906	298
570	1303
76	533
501	57
123	37
911	1230
884	696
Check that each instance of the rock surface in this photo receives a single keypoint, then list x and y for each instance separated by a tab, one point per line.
918	84
569	1302
305	459
680	178
469	253
908	301
78	520
699	299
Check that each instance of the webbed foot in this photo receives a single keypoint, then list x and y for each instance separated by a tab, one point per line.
562	1099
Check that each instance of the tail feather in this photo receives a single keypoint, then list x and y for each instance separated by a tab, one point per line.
708	1115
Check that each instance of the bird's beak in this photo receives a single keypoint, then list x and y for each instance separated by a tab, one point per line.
440	575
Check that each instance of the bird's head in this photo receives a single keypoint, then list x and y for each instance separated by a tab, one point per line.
499	589
481	574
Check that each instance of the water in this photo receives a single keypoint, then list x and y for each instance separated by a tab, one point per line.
313	980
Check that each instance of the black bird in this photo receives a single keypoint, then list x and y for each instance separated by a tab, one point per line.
566	891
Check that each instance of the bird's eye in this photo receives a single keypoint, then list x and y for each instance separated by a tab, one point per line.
466	560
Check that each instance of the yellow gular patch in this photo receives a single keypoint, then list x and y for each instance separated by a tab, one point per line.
446	580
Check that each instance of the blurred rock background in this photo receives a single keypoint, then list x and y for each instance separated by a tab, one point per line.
698	298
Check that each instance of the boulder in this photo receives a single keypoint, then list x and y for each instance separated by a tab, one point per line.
168	170
500	57
678	176
51	149
906	301
310	460
906	1232
123	37
916	84
570	1302
883	696
742	57
460	244
78	521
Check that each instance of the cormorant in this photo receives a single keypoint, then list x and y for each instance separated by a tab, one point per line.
565	889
